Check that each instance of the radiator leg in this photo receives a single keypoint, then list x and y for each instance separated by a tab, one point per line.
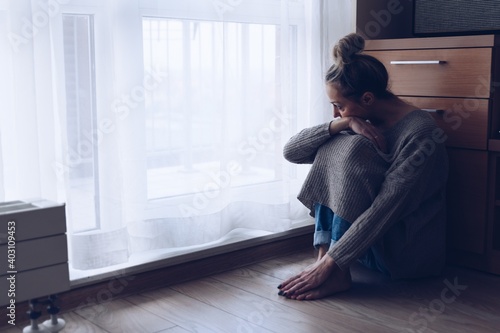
34	313
53	324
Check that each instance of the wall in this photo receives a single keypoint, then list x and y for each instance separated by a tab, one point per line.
379	19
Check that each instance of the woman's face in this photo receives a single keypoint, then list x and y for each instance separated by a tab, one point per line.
344	107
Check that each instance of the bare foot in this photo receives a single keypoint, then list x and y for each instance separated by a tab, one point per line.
310	278
337	282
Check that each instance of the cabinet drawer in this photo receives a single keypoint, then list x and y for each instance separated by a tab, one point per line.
465	121
461	73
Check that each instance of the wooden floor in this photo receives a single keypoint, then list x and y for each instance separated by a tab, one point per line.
246	300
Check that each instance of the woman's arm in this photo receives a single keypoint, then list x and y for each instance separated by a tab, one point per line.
302	147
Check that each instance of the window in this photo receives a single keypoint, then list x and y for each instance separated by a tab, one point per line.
134	113
223	84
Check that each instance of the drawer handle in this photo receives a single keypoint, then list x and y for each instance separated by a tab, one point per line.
438	111
417	62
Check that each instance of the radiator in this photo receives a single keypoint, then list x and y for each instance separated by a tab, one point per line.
33	250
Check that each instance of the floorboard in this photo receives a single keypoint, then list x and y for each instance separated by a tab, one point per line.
189	313
260	311
341	314
245	299
120	316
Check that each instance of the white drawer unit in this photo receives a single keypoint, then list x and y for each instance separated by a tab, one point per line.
34	250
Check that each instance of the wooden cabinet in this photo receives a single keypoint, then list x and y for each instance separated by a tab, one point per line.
493	238
438	72
465	121
467	199
456	80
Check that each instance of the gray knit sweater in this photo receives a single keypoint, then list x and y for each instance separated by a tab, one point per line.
395	201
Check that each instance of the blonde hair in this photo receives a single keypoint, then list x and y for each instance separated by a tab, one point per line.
356	73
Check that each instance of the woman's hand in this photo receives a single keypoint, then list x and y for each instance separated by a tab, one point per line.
361	126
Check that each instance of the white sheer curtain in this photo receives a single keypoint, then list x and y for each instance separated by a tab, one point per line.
161	123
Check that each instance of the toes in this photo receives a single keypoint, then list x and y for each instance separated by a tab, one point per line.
306	296
301	297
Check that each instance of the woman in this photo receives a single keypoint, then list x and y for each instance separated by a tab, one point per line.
377	182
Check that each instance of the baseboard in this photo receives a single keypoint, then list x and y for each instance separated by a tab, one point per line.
125	285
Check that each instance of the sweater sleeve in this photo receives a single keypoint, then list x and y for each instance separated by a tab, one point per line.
302	147
419	168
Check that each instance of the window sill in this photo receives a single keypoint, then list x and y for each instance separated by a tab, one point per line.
153	260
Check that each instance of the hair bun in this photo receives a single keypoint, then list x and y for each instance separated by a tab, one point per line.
347	48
